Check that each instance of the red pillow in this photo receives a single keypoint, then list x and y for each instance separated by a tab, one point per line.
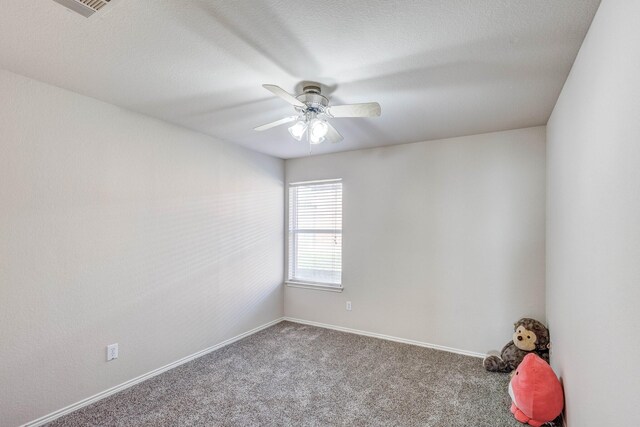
535	392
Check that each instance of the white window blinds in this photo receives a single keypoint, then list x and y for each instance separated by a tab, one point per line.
315	232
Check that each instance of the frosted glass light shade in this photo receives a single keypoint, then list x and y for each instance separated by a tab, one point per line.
318	130
298	129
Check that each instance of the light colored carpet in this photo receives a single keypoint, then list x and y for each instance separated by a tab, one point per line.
297	375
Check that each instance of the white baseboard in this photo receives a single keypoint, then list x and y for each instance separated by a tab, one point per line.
89	400
387	337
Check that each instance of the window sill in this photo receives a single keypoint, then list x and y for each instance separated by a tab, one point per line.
315	286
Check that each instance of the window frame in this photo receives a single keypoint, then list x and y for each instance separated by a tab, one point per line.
305	284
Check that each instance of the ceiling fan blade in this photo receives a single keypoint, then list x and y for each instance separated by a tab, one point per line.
333	135
276	123
369	109
278	91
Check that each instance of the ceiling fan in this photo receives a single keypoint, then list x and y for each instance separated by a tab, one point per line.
313	114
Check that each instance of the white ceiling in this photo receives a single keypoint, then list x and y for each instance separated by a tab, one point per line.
438	68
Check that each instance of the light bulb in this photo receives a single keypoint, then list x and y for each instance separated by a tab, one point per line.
318	130
298	129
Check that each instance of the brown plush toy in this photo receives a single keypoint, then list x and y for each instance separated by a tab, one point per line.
530	336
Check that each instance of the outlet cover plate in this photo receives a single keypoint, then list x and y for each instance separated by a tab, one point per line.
112	352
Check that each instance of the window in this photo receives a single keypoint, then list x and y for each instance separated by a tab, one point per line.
315	234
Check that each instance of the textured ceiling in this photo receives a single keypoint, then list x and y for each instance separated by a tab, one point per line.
438	68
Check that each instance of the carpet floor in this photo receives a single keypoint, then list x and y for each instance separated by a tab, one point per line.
298	375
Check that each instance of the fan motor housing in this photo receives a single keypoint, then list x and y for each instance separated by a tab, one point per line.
312	98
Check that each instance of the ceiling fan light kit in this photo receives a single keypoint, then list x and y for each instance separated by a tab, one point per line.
314	114
315	129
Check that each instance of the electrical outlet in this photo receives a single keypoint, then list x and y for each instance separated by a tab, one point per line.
112	352
348	305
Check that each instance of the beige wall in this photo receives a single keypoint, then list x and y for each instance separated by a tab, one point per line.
593	231
443	240
120	228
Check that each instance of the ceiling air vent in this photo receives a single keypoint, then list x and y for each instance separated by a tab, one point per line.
85	8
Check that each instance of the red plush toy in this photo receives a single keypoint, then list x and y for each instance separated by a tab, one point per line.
535	392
